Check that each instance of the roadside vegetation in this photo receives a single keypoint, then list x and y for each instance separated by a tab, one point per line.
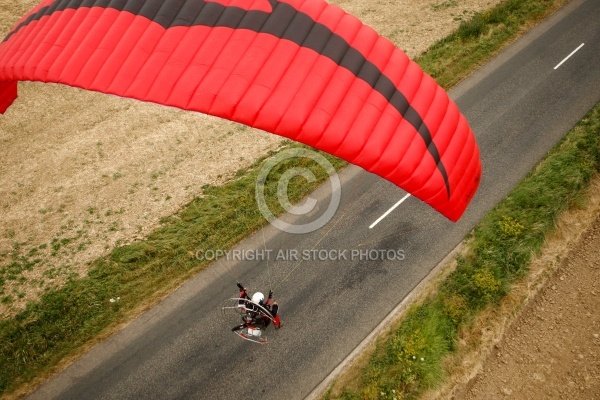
477	40
133	277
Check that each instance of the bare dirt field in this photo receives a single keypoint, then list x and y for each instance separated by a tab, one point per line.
552	351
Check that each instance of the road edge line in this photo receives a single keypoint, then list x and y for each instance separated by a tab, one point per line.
444	267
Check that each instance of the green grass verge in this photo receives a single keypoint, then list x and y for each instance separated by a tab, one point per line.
65	319
451	59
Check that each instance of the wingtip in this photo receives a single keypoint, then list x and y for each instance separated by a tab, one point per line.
8	94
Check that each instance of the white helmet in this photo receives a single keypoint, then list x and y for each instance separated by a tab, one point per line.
258	298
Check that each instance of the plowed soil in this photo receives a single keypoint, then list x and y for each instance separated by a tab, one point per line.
543	340
552	351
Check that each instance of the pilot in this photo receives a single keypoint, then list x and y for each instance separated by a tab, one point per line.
254	315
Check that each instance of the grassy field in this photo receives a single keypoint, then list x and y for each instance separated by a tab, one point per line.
38	339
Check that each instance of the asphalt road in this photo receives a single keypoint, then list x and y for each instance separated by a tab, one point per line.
518	105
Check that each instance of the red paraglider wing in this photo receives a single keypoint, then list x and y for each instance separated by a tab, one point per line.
302	69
